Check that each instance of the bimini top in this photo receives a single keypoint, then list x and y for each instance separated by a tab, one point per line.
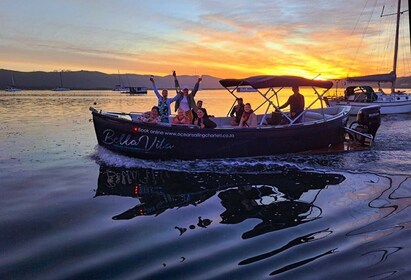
266	81
390	77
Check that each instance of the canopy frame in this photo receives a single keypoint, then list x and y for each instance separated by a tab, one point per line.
232	85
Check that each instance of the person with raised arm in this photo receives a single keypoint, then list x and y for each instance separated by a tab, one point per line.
163	102
186	99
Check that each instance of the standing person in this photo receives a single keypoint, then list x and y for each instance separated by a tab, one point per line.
203	121
237	112
186	100
163	102
248	119
297	104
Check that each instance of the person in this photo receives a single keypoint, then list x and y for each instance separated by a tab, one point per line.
185	99
248	118
237	112
152	116
163	102
199	106
297	104
203	121
181	118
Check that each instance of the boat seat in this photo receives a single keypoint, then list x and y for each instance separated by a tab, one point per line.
314	116
134	116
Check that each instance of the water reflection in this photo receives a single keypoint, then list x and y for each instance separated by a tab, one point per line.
281	198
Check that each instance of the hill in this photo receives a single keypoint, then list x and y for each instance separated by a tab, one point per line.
87	80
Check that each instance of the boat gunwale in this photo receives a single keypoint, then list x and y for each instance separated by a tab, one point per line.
112	116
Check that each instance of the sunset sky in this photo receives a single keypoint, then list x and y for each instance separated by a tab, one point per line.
222	38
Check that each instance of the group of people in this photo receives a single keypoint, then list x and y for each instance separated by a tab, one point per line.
243	115
190	112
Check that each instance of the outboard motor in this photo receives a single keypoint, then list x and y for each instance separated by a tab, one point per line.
368	121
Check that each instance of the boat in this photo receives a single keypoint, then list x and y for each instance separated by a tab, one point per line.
358	94
123	133
61	88
135	90
119	86
246	89
13	87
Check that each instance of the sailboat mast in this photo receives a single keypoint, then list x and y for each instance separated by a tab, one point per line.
61	80
12	79
397	32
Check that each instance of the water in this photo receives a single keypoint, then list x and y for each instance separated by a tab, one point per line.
73	210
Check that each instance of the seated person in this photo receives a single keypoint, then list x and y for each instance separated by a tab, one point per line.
181	117
203	121
248	118
194	111
152	116
237	112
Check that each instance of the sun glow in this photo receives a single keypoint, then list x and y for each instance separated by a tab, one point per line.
199	39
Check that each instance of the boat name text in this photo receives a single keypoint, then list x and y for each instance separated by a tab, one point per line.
144	141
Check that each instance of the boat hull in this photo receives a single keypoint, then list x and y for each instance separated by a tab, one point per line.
155	141
391	107
12	89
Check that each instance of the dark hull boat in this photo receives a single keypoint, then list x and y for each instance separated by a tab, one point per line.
321	128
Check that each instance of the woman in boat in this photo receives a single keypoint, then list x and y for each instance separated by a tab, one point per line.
203	121
163	102
152	116
185	99
181	118
296	102
248	118
237	112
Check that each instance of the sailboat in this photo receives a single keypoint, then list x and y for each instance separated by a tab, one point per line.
13	87
61	88
119	86
359	95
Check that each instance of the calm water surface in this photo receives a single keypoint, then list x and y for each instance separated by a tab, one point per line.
72	210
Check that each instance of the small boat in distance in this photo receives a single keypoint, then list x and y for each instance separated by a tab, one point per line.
124	133
358	94
135	90
13	87
246	89
61	88
119	86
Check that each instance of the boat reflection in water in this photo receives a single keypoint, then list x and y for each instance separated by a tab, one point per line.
275	197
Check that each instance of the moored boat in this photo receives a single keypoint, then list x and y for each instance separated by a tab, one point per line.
246	89
135	90
13	87
359	94
125	134
61	87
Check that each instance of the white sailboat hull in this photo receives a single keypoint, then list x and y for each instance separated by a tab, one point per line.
12	89
396	104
